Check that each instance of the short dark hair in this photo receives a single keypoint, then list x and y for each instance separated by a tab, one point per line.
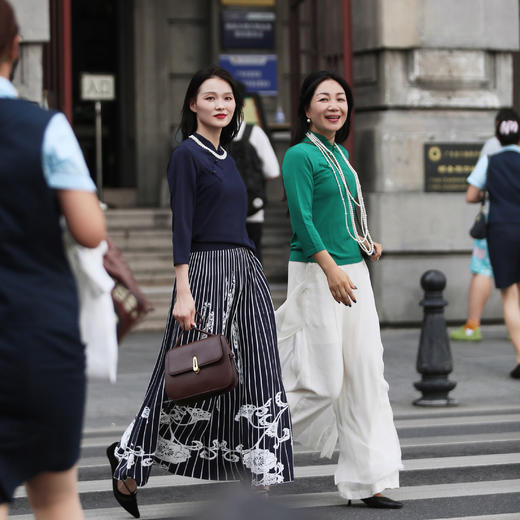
189	119
309	86
8	28
507	127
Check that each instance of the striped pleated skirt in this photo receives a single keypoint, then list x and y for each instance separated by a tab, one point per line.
242	435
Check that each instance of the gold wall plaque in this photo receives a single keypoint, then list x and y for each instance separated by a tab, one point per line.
447	165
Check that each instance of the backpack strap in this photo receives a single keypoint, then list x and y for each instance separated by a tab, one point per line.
247	132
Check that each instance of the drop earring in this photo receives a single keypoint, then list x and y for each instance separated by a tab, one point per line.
308	120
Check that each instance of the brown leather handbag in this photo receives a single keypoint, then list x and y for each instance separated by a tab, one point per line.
200	369
130	304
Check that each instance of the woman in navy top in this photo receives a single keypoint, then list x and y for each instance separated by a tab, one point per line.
42	361
500	175
245	433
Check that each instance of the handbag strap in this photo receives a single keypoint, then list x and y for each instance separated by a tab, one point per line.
198	329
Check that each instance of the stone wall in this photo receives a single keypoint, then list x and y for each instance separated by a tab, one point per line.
425	71
33	19
172	40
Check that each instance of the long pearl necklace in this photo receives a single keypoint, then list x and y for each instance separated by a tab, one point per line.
363	239
222	156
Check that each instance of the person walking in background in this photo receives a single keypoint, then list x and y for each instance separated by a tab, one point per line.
246	433
256	161
480	268
42	360
499	174
328	328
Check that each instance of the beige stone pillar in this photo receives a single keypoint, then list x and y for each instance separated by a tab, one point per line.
425	71
33	19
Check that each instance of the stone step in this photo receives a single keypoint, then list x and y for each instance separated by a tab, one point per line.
144	261
140	218
154	278
160	218
132	239
160	295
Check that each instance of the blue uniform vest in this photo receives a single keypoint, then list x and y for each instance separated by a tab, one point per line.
503	185
36	283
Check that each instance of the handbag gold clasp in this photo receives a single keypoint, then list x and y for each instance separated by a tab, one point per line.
196	368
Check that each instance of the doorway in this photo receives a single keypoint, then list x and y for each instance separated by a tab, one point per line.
102	42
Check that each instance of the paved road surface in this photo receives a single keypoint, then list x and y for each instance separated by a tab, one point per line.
460	462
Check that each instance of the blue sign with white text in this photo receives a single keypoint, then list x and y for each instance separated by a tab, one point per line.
257	71
247	29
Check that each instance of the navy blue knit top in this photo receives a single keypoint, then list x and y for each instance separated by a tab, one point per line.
208	200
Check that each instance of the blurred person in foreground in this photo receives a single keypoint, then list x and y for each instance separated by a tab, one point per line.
42	362
499	174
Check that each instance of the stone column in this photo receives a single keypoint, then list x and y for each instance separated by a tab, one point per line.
33	19
172	41
425	71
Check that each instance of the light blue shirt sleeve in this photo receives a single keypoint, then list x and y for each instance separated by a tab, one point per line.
63	163
478	176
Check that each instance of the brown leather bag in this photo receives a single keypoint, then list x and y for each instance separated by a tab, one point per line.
200	369
130	304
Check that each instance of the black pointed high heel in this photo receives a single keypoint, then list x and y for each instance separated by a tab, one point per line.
127	502
381	502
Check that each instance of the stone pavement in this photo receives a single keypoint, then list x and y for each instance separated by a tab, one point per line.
460	463
480	370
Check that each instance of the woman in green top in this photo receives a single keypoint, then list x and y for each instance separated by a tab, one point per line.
328	328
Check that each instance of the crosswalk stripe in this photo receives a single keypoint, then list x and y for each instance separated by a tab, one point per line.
458	414
463	438
459	411
324	470
457	421
419	442
325	499
503	516
442	440
465	434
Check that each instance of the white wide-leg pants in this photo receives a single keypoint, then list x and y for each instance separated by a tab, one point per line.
332	368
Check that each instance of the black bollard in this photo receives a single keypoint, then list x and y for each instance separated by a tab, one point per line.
434	360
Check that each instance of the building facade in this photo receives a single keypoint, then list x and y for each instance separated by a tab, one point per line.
428	77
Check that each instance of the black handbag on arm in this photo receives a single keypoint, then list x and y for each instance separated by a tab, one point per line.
479	228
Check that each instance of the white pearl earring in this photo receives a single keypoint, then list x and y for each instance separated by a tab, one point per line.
308	120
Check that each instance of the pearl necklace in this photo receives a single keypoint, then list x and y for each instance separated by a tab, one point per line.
363	239
212	152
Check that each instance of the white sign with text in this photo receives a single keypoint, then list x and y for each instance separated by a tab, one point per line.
97	87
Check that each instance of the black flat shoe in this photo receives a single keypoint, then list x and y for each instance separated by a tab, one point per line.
515	373
127	502
381	502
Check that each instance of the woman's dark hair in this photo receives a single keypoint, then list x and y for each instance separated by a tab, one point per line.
507	127
189	119
8	28
309	85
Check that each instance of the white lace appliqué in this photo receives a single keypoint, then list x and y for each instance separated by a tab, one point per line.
262	462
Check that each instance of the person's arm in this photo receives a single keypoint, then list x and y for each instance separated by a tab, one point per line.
182	180
84	216
473	194
65	171
184	308
298	181
477	181
264	149
340	285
